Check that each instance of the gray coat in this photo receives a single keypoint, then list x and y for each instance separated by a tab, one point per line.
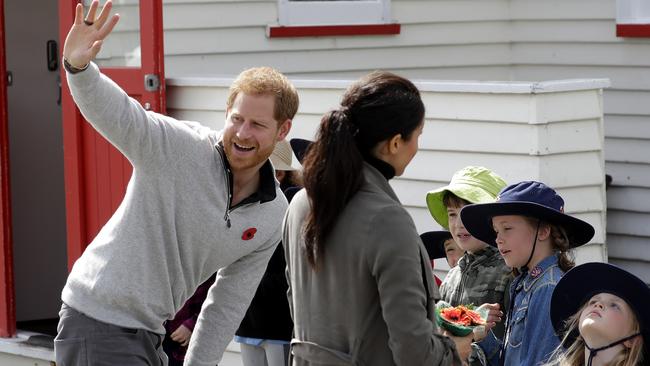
371	301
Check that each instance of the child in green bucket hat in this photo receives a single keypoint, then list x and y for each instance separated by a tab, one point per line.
481	275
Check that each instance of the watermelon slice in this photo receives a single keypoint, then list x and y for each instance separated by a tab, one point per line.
459	320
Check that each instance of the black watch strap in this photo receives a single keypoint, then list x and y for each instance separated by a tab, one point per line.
71	69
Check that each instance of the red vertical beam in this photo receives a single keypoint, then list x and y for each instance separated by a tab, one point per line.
7	295
153	56
72	151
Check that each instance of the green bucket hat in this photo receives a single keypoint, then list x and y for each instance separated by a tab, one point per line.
474	184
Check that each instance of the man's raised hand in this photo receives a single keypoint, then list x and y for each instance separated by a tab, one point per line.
86	35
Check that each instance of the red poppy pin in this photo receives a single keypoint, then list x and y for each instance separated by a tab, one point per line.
248	233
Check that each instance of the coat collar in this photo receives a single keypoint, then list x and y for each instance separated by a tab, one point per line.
266	191
376	178
384	168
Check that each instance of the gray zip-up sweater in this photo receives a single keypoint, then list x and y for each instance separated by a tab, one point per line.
173	229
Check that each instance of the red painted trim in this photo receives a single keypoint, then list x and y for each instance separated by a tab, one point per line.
633	30
333	30
7	294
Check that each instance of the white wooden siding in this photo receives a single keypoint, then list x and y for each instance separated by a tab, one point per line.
468	123
463	40
228	36
577	38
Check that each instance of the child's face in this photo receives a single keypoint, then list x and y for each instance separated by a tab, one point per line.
452	252
515	237
461	236
604	319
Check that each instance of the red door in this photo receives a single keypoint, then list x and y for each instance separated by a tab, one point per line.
96	174
7	300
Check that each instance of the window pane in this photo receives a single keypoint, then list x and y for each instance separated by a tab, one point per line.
333	12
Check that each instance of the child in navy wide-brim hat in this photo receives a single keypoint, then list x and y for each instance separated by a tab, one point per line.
528	225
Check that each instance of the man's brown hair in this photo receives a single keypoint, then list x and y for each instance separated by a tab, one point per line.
267	80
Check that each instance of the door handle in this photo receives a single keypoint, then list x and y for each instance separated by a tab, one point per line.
52	55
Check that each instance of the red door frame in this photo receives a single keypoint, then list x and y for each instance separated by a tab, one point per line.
7	295
96	174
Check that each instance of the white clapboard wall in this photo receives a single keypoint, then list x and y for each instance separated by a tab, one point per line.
459	40
577	38
445	39
550	131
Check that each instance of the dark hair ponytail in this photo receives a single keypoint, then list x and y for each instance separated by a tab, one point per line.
331	179
374	109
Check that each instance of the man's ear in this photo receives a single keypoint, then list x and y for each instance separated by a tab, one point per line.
284	129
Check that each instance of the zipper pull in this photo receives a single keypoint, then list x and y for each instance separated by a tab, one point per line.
226	218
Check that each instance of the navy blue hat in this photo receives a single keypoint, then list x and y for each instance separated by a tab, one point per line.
528	198
434	241
579	284
299	147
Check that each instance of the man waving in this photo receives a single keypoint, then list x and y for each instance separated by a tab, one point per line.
199	201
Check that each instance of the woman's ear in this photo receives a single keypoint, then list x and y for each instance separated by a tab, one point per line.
394	144
544	232
389	147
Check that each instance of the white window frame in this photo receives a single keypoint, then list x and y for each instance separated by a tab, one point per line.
633	12
333	12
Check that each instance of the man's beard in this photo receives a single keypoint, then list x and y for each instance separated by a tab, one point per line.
256	158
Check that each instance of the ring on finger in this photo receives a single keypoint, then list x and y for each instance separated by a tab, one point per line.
88	22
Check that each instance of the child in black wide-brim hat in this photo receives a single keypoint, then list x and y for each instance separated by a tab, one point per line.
601	313
528	225
440	244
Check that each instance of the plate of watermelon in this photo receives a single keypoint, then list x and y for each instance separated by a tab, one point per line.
460	320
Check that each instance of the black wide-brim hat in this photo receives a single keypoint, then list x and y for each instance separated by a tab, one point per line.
529	198
299	147
434	242
580	283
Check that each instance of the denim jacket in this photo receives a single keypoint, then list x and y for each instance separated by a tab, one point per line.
532	339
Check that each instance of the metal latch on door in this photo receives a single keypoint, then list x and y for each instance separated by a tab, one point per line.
151	82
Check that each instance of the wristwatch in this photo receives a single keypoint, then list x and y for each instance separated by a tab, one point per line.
71	69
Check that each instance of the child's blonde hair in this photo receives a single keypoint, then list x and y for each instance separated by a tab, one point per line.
574	355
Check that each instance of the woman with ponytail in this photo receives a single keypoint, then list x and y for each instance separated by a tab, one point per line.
360	286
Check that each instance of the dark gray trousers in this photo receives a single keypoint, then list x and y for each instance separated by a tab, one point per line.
83	341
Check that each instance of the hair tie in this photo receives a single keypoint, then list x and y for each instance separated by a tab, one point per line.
345	118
